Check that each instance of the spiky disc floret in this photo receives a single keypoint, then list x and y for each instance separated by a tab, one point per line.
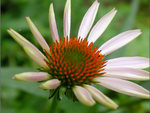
74	62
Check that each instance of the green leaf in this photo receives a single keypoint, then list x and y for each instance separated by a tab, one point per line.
72	107
30	87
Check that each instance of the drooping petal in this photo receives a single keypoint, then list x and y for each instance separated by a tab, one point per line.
83	96
31	50
127	73
67	19
32	76
52	23
130	62
88	20
100	97
37	34
35	57
101	25
50	84
119	41
123	86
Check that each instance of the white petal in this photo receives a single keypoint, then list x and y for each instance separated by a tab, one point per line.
50	84
37	34
52	23
88	20
119	41
83	96
131	62
32	76
100	97
101	25
127	73
67	19
35	57
123	86
29	48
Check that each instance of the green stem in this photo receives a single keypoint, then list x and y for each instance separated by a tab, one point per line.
54	104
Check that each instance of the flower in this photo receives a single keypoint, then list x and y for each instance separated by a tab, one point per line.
73	63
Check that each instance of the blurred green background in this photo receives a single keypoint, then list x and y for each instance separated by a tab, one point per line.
22	97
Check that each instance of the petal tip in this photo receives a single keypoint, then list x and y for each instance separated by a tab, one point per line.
146	96
51	6
27	17
14	78
8	30
114	9
97	1
116	106
11	30
42	86
139	30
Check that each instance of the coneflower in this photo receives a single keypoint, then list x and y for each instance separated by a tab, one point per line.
72	62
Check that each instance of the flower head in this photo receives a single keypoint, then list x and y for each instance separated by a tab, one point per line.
74	64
